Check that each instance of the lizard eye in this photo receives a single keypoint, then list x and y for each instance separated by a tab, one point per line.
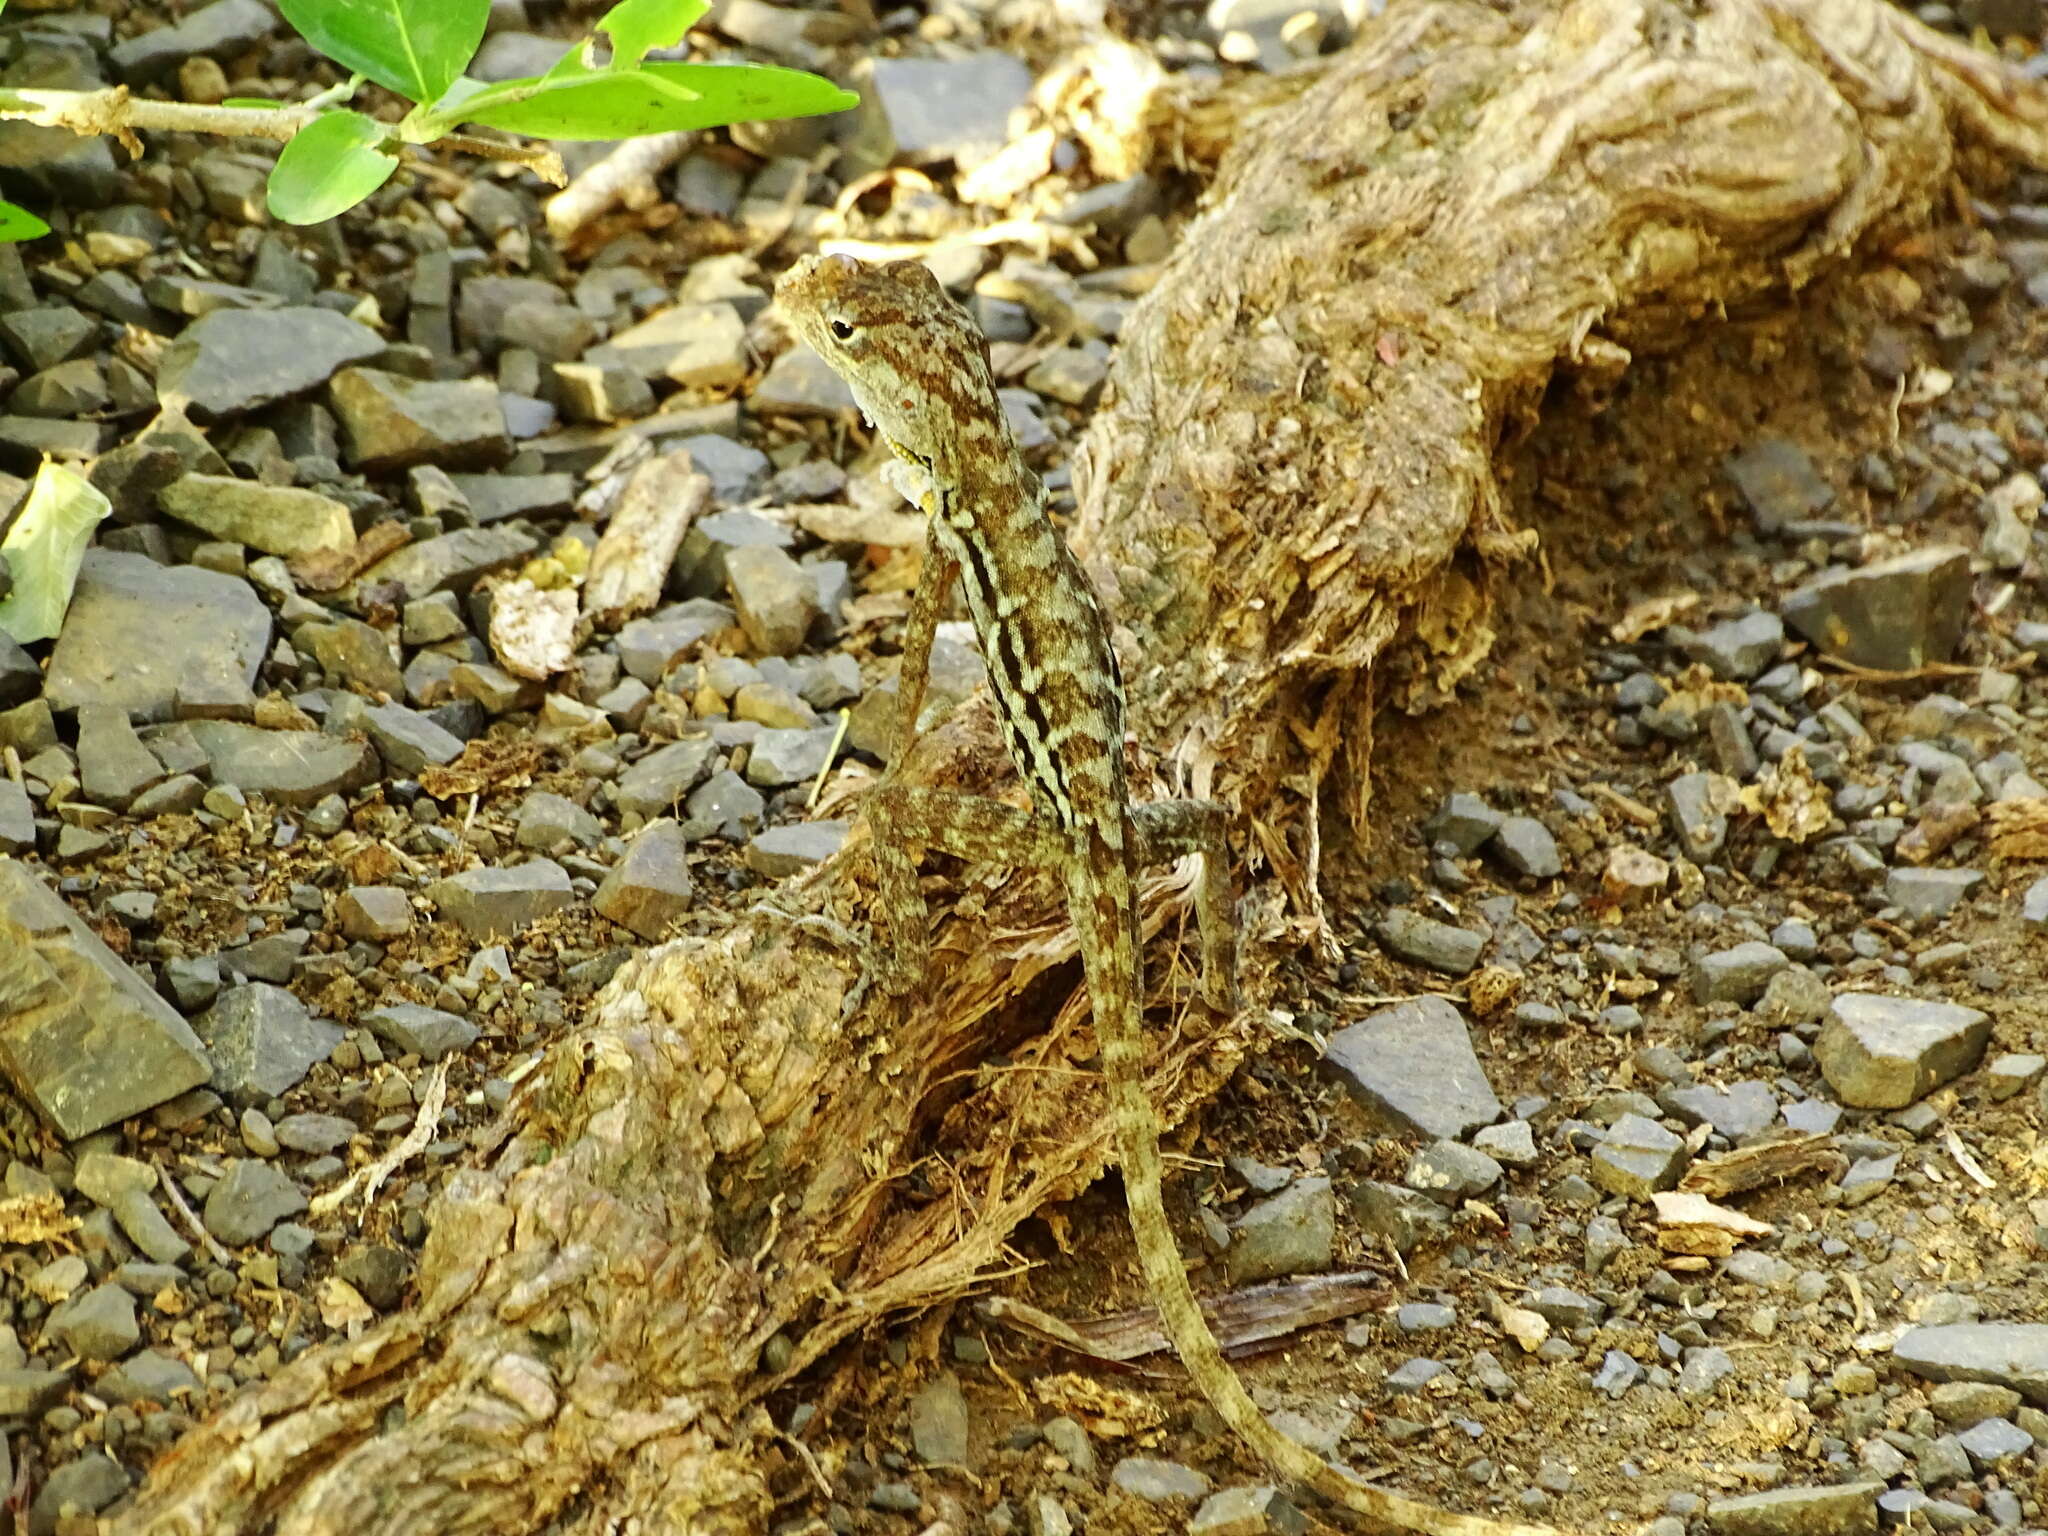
842	330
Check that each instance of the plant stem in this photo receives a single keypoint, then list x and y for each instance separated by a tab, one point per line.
113	111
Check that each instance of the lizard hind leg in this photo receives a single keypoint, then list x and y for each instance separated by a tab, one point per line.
1171	829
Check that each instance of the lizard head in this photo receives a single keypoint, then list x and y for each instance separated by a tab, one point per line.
916	363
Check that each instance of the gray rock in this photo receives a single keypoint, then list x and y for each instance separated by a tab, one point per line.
1403	1217
1425	1317
549	821
1778	480
148	1376
17	819
379	913
20	678
315	1135
1742	1109
1260	1510
2034	905
782	757
1702	828
1884	1052
251	1198
429	1033
1928	894
1737	975
700	346
649	647
47	335
1408	935
263	1041
1637	1158
1451	1171
127	1187
938	1422
655	785
1704	1371
236	360
1867	1178
1992	1441
137	632
1156	1481
295	768
493	498
1525	846
1512	1142
1563	1307
1736	649
650	886
775	599
2013	1073
114	767
727	804
451	562
777	852
89	1483
1464	821
26	1393
277	519
392	422
83	1038
1291	1233
1896	614
1619	1370
2012	1355
217	31
488	903
97	1325
408	740
1412	1069
916	111
1840	1509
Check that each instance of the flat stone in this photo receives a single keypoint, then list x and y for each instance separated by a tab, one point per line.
1896	614
1526	847
148	1376
17	819
314	1135
1261	1510
277	519
1884	1052
408	740
700	346
251	1198
938	1422
649	647
1697	816
294	768
1291	1233
1156	1481
26	1393
493	498
114	767
90	1482
137	632
1637	1158
1741	1109
1513	1142
392	422
264	1041
1777	479
656	784
1412	1069
775	599
1409	935
83	1039
1736	649
217	31
1737	975
650	887
1930	894
47	335
428	1033
782	757
917	111
98	1325
489	903
237	360
1838	1509
2011	1355
1451	1171
777	852
2013	1073
450	562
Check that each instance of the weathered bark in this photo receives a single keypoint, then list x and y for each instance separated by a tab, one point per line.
1292	474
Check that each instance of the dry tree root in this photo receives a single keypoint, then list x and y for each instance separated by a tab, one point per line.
1399	249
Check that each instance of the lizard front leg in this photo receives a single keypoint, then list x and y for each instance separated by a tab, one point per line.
905	818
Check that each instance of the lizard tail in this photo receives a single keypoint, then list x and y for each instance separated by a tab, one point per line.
1106	922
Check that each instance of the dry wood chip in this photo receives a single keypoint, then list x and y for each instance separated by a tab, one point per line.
1761	1163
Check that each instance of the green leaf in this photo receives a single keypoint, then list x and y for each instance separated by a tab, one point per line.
651	98
19	223
330	165
44	548
413	47
639	26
